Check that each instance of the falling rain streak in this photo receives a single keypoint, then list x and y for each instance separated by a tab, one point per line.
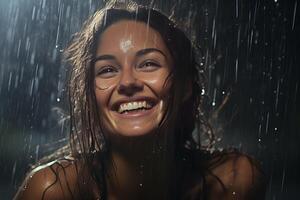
249	50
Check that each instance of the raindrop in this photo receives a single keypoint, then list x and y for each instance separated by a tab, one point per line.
9	80
37	148
283	179
294	16
18	49
236	8
32	58
33	13
13	171
236	69
214	98
267	123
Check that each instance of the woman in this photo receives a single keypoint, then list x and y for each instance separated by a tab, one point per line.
135	98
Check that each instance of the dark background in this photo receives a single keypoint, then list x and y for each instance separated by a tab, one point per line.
250	50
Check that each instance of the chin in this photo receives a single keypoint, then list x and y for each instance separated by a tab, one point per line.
136	132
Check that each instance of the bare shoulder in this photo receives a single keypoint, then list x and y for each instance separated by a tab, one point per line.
54	180
233	175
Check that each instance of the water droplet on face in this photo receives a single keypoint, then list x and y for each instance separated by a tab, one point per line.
25	187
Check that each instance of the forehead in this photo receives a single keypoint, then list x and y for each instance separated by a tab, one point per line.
129	35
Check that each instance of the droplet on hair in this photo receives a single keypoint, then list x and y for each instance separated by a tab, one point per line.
25	187
202	91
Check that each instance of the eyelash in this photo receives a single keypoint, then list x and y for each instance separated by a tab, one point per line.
106	70
149	64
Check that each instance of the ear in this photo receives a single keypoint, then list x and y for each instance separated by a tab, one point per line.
188	91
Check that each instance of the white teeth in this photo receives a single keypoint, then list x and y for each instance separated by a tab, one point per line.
130	106
133	106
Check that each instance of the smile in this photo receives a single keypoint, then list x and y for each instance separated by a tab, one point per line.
134	106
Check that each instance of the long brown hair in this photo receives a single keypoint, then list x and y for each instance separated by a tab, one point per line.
87	137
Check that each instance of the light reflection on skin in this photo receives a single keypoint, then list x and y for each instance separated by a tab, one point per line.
125	45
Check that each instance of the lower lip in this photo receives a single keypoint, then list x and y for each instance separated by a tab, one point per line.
136	114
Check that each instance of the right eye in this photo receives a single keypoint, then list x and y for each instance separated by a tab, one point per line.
107	72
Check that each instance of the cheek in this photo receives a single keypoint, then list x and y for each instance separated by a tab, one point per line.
160	82
102	98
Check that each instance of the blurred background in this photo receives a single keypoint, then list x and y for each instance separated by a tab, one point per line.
250	49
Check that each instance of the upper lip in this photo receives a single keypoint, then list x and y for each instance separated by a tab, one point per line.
116	104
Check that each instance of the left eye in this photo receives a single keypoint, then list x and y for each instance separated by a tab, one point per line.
149	66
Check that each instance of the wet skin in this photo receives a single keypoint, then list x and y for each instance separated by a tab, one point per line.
132	65
241	177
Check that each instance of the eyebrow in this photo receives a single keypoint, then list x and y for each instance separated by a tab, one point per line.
137	54
104	57
149	50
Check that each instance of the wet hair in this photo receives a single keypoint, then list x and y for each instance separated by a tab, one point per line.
87	135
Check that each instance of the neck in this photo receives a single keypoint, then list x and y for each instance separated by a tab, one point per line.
142	167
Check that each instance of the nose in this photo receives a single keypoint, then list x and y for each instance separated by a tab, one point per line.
129	84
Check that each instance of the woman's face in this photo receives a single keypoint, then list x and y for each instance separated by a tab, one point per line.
131	70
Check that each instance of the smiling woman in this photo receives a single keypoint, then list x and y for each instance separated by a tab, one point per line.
135	98
131	74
